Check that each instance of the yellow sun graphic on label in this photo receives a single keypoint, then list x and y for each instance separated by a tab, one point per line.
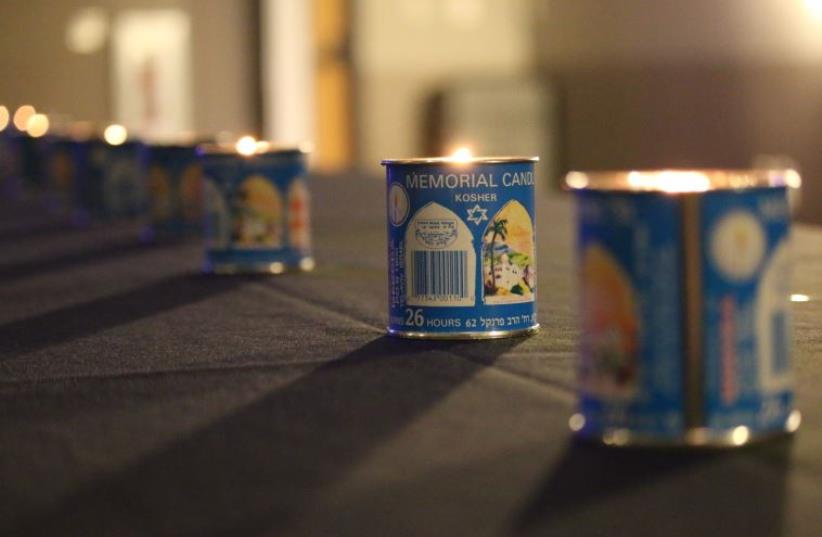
257	214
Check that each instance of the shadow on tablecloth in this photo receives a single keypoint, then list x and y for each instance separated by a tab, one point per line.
595	490
87	318
251	471
110	251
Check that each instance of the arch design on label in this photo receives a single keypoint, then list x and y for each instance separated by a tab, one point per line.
440	260
773	322
509	272
257	215
217	218
123	189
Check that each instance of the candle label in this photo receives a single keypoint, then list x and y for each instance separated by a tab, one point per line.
61	176
461	249
630	353
633	368
257	217
91	157
123	181
746	310
175	194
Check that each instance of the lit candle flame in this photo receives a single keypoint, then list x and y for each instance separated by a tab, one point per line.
670	181
793	179
814	7
115	134
576	180
246	145
463	154
576	422
22	116
37	125
794	421
740	435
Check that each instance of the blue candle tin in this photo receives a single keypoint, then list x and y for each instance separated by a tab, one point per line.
257	217
61	177
11	168
101	182
461	247
684	307
174	189
30	151
89	158
123	186
21	159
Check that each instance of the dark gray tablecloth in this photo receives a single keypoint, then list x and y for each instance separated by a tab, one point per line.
139	398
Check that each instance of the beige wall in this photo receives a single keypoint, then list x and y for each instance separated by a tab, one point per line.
593	32
405	50
650	83
36	66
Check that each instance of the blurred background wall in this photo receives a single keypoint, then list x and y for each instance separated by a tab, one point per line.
407	51
584	83
39	68
649	83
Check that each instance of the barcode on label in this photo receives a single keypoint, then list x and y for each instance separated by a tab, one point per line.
439	275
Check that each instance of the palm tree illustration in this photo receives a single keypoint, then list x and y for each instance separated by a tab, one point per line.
498	230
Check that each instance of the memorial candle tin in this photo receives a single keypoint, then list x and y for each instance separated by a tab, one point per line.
174	187
256	209
461	247
684	307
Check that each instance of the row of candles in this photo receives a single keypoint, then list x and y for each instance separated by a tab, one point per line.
26	119
80	173
684	274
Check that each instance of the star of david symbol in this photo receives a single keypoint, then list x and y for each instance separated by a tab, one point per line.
477	214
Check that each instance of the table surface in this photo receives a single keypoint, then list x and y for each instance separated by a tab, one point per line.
140	398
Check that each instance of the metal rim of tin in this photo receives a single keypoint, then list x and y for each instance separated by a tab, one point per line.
184	140
680	181
180	144
307	264
493	334
81	131
263	148
85	131
697	437
457	161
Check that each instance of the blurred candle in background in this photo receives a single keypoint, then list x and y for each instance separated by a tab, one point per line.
257	217
684	307
174	188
